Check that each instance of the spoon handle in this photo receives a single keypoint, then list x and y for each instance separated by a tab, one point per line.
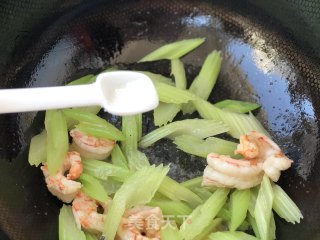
36	99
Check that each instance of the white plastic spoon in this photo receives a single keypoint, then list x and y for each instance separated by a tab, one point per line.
120	93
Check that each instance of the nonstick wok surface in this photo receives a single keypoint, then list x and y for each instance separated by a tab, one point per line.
51	43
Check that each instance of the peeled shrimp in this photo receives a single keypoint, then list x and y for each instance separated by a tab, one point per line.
63	187
141	223
224	171
258	147
89	146
85	211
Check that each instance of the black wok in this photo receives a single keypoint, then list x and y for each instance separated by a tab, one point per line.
270	54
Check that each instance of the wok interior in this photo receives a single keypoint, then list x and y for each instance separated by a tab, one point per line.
262	62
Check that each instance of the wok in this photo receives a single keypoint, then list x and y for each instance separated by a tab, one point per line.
270	55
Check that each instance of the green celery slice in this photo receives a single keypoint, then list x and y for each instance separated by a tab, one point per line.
231	236
173	50
272	228
263	208
176	192
68	229
178	71
90	78
118	159
90	236
239	204
171	94
103	170
203	84
284	206
202	216
93	188
197	127
111	186
198	147
239	123
57	139
138	189
38	149
237	106
164	113
202	192
101	131
193	182
170	232
158	78
254	226
215	223
225	214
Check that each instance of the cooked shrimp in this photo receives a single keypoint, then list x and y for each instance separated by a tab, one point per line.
63	187
141	223
85	211
89	146
258	147
224	171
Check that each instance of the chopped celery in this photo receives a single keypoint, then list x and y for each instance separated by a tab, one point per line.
101	131
110	185
198	147
139	125
171	94
202	216
215	223
103	170
253	200
225	214
175	209
177	70
38	149
239	123
170	232
202	192
272	228
158	78
263	208
284	206
138	189
197	127
239	204
93	188
176	192
173	50
231	236
254	226
137	159
193	182
117	157
57	139
68	229
237	106
203	84
83	80
91	236
164	113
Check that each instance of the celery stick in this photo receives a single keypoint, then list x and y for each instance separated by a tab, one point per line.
284	206
103	170
139	125
203	84
202	148
170	232
263	208
83	80
101	131
173	50
215	223
118	159
111	186
174	191
237	106
164	113
158	78
138	189
197	127
68	229
231	236
254	226
137	159
57	139
177	70
38	149
239	204
272	228
202	216
239	123
193	182
84	116
253	200
91	236
93	188
171	94
174	210
203	193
